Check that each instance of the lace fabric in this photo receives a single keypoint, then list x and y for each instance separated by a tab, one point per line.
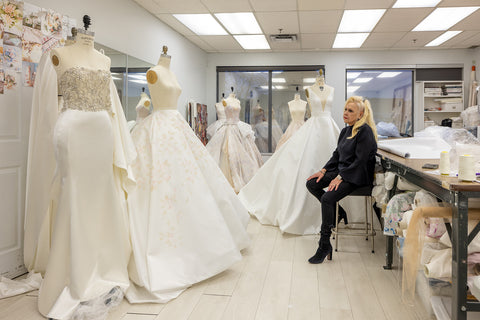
85	89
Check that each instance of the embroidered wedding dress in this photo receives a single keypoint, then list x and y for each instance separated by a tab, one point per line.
90	246
236	155
277	195
187	223
244	127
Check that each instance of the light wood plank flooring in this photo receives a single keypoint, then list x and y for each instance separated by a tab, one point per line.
274	281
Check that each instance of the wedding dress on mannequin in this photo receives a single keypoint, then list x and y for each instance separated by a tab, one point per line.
244	127
142	109
237	156
277	195
297	108
260	128
90	247
187	223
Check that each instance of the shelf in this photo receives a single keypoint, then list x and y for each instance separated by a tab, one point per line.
447	96
439	111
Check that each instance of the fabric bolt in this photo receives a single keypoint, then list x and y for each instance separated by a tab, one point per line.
396	208
236	155
277	195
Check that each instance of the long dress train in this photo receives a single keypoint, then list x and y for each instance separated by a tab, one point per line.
277	195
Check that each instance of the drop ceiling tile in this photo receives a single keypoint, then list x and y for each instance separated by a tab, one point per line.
202	44
417	39
395	20
317	41
368	4
472	41
459	38
382	40
221	6
320	21
308	5
175	24
222	43
183	6
150	6
459	3
472	22
272	21
273	5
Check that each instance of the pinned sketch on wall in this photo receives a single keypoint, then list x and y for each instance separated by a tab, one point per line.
12	58
29	72
10	81
2	79
32	16
32	45
11	14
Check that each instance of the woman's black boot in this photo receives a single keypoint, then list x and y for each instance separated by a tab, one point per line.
342	215
324	250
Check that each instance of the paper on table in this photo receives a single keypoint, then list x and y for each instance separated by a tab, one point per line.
415	148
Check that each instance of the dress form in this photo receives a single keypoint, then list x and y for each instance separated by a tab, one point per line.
296	105
320	89
163	85
80	54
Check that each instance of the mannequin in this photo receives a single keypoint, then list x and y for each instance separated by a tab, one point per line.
297	108
186	222
142	109
320	89
92	150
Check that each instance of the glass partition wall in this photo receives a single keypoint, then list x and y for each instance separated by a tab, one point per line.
389	92
264	93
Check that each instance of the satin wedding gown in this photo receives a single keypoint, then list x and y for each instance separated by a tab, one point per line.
236	155
277	195
297	110
187	223
90	247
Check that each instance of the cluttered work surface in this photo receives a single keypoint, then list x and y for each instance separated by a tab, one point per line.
452	191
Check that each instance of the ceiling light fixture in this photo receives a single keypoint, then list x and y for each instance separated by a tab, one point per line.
360	20
349	40
279	80
415	3
201	24
239	23
252	42
362	80
388	74
442	38
352	75
352	88
443	18
309	80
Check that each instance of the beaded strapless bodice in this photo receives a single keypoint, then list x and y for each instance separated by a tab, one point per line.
232	112
85	89
220	111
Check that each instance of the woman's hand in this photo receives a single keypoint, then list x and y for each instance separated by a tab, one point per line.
319	175
334	184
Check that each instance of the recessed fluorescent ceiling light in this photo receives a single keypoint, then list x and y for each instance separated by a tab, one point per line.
352	88
352	75
443	18
362	80
415	3
239	23
309	80
252	42
278	80
388	74
280	87
349	40
360	20
201	24
139	81
442	38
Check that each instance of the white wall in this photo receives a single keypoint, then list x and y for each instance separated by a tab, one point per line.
125	26
336	64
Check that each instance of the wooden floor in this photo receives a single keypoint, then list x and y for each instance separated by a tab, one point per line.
275	281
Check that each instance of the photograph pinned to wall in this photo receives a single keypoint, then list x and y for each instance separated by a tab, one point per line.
12	58
2	79
29	73
32	16
52	30
11	14
10	79
1	55
32	45
201	120
11	39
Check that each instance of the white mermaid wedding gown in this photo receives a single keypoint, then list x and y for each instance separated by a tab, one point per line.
236	154
277	195
187	223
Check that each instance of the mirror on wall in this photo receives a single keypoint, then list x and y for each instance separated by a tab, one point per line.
264	93
389	92
129	76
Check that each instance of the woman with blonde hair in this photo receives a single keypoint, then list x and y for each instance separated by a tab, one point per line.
350	167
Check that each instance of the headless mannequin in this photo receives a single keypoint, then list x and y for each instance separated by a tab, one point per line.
163	85
231	100
143	106
297	104
320	89
80	54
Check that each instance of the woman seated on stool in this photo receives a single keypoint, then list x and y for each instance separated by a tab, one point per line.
350	167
